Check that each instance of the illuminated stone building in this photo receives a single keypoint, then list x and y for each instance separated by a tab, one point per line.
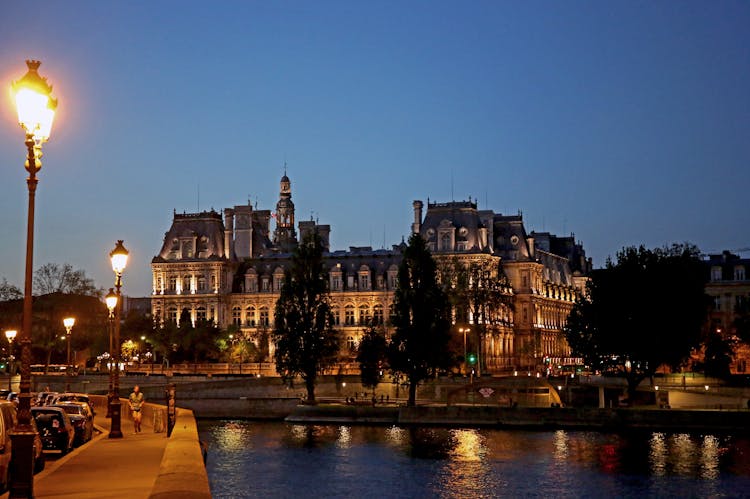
728	287
230	269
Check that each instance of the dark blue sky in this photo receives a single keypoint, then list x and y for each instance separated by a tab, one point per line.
624	122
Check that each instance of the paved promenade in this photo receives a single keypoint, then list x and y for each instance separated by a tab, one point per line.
104	467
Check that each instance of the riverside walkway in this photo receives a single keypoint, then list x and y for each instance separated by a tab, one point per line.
142	465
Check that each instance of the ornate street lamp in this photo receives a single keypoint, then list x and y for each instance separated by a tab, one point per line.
36	112
111	301
119	258
68	322
10	334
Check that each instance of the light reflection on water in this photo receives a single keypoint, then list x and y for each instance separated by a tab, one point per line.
254	459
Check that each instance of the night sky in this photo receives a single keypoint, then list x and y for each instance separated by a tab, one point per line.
624	122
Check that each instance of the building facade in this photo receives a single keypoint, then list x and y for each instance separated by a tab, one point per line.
728	288
229	269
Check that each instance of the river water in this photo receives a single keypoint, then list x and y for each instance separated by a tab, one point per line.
260	459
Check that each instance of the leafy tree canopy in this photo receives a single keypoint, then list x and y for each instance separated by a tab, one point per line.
371	357
645	310
419	346
306	341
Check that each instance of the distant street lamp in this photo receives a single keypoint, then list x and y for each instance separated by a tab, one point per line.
464	330
111	301
68	322
36	112
11	335
119	258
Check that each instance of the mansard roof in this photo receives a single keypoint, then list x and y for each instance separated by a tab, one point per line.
203	233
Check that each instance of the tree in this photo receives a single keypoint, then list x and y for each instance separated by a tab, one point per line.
53	278
419	346
646	310
371	356
478	290
306	341
718	353
9	292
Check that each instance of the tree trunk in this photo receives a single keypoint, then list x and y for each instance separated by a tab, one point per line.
310	385
412	394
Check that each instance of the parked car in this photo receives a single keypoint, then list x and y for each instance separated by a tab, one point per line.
74	397
44	398
8	419
7	422
55	428
81	418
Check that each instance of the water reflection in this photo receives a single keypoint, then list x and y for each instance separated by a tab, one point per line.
251	459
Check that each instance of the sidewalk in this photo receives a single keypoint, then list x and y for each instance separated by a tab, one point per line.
105	468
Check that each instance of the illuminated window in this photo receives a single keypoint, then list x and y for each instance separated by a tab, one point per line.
250	316
364	315
377	314
349	315
336	316
264	316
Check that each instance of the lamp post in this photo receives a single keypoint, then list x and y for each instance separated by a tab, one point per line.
68	322
36	112
111	300
119	258
464	330
10	334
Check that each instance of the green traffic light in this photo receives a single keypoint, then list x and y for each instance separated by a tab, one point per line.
472	358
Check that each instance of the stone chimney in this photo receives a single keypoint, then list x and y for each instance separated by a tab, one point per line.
417	225
228	232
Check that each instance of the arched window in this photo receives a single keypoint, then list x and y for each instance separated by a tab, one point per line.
351	344
349	315
336	315
250	316
172	314
200	314
264	316
364	314
377	314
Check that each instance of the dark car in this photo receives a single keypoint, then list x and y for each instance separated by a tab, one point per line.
74	397
81	418
54	427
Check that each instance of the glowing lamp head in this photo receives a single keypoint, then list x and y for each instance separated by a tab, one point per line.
111	300
34	103
11	334
69	322
119	257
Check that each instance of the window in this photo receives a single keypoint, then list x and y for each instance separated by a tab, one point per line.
349	315
201	283
739	273
173	284
236	316
717	302
350	282
350	343
172	314
336	316
445	242
250	316
266	284
364	315
381	282
364	281
200	314
335	282
264	316
377	314
716	273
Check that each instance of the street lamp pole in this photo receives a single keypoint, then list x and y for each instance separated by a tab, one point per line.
36	112
119	258
111	300
68	322
464	330
10	334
